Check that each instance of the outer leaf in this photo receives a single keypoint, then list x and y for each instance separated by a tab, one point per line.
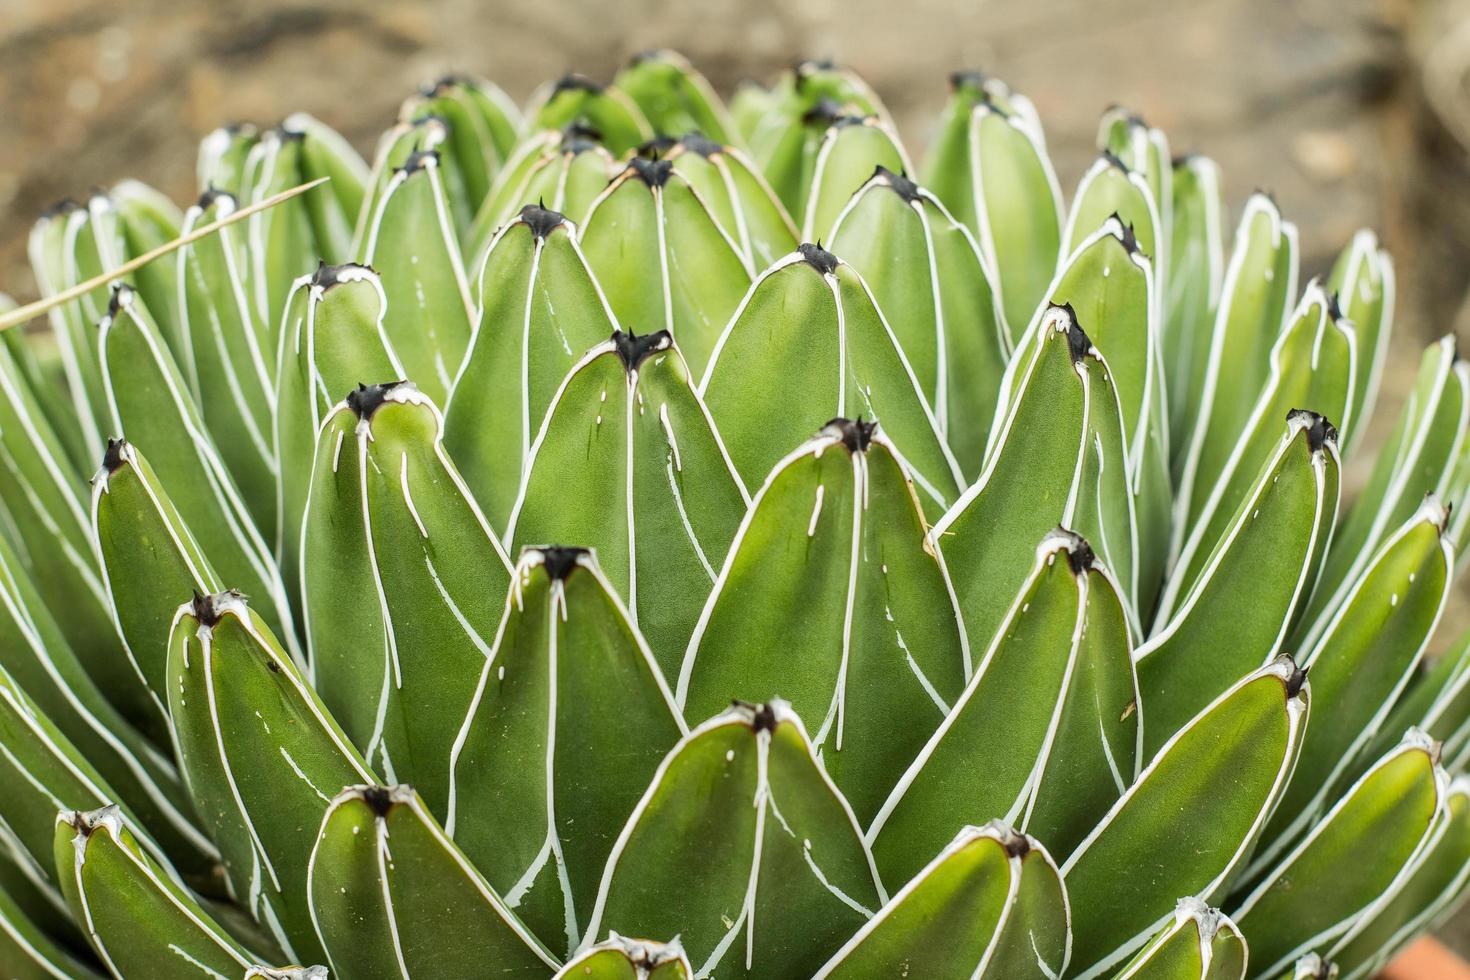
674	97
938	294
137	917
741	818
532	798
403	583
1349	859
151	406
29	953
851	150
832	560
1201	943
737	195
1055	680
1363	280
1057	457
1192	292
412	243
810	329
657	495
539	309
1237	613
663	259
259	754
606	110
392	895
1238	753
629	959
989	165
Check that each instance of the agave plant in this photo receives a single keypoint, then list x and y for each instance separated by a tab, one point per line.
636	537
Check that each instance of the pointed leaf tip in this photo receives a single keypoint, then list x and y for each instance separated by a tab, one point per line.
855	434
559	560
328	276
118	453
897	182
762	717
541	220
86	822
122	298
1319	431
654	173
818	258
1080	555
210	609
1063	319
379	799
576	82
633	349
366	399
418	160
1015	843
702	145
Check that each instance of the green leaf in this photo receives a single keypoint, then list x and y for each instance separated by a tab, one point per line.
540	309
29	953
151	407
482	123
222	155
402	583
259	754
674	97
391	894
533	799
629	959
809	328
225	355
939	296
832	560
1363	281
663	260
1362	659
1045	733
851	150
1192	291
137	917
991	904
1255	300
1152	846
737	195
411	242
1315	894
989	165
1312	365
36	367
1201	943
1056	457
1238	612
604	109
562	172
657	496
147	219
742	821
1144	150
1111	188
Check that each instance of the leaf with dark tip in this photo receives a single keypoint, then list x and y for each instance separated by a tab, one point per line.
674	97
533	801
737	195
1055	689
577	100
620	958
810	329
1124	879
1110	188
391	894
851	150
832	560
221	160
1238	612
561	172
1201	943
1314	894
402	583
1144	150
482	123
742	821
259	754
938	295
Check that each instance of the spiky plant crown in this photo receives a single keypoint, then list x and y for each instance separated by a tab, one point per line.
643	538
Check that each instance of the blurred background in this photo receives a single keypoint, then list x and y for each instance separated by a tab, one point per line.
1351	112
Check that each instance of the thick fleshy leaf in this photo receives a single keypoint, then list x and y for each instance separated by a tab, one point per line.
737	195
139	919
539	310
663	260
1151	847
1312	366
989	165
990	905
576	100
1362	660
850	151
29	953
1144	150
391	894
939	296
1201	943
146	219
1045	733
412	244
742	821
656	495
1111	188
226	357
1239	610
1363	281
402	582
533	801
620	958
561	172
674	97
1192	293
481	122
1256	298
809	328
151	407
832	560
41	376
221	161
1314	894
1056	457
260	755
